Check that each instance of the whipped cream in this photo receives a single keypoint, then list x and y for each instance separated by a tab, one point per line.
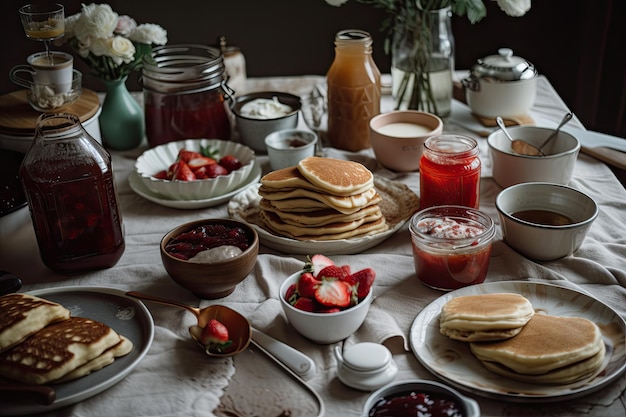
447	228
264	108
219	253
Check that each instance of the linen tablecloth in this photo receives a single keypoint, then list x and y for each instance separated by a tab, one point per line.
176	379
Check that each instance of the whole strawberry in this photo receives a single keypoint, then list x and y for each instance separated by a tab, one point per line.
215	336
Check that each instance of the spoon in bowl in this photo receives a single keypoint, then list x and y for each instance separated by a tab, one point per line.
240	332
568	116
519	146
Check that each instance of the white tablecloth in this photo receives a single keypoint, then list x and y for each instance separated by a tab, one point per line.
175	379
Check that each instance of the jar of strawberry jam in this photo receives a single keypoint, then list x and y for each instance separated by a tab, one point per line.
450	172
185	93
68	182
451	246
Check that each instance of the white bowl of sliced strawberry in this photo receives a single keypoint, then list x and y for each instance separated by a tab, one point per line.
326	302
195	169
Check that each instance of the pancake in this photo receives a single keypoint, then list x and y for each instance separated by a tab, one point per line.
25	314
56	350
336	176
344	204
329	229
291	178
124	347
365	229
546	343
485	317
319	217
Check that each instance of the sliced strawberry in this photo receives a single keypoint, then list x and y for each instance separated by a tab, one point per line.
290	294
362	281
346	270
305	304
333	293
327	309
230	162
307	284
200	161
319	262
161	175
330	271
210	171
181	172
185	155
215	336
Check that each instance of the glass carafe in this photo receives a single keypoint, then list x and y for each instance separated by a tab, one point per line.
68	182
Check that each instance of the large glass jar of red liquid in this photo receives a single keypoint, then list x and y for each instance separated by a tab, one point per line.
68	182
450	172
185	93
353	91
451	246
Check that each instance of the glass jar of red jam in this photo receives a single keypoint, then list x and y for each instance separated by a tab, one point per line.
68	182
450	172
451	246
185	94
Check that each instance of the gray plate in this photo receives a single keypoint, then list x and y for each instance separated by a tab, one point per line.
453	362
110	306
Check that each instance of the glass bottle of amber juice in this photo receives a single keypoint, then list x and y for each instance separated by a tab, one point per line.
353	91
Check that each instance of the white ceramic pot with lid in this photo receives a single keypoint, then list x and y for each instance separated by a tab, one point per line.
501	85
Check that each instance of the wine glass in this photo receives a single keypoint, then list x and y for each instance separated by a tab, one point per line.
313	110
43	22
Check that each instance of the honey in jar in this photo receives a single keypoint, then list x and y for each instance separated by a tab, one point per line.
353	91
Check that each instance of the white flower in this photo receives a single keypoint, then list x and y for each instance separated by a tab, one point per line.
122	50
336	3
95	21
149	33
125	25
70	23
514	8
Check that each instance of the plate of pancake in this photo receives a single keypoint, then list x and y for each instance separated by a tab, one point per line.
521	341
111	333
324	205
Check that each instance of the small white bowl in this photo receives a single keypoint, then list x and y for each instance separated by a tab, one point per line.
324	328
468	406
252	131
509	168
286	148
162	156
538	238
400	149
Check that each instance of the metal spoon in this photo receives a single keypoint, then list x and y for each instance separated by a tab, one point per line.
519	146
240	332
568	116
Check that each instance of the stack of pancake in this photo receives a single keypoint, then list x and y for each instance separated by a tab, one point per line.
41	343
321	199
511	340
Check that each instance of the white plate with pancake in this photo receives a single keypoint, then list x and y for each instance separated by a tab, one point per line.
396	205
140	188
126	315
453	361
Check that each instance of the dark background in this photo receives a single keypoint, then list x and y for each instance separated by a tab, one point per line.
577	44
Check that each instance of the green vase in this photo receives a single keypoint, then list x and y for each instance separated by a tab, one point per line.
121	120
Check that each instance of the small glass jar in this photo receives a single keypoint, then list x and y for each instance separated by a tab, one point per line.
185	93
451	246
450	172
68	182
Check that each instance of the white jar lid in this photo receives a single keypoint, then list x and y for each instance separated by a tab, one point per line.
367	356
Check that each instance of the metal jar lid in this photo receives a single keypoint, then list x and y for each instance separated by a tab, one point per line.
504	67
183	68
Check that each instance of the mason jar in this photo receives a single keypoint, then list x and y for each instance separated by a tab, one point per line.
185	94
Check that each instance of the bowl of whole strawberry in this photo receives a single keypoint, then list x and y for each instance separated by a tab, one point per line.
326	302
195	169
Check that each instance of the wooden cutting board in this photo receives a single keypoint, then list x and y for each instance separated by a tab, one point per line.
18	118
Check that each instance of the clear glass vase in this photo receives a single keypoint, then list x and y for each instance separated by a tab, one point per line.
422	61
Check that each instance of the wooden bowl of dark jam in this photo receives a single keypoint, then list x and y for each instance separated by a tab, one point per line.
414	397
210	257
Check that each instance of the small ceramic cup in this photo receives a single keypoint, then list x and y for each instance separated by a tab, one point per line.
287	147
398	137
54	69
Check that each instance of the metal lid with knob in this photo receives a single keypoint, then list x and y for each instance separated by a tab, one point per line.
504	67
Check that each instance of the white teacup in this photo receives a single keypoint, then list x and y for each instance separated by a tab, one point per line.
53	69
287	147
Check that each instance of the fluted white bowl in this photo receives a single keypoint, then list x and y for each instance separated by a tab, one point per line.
161	157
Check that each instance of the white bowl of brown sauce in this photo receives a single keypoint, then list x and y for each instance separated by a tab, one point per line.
545	221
